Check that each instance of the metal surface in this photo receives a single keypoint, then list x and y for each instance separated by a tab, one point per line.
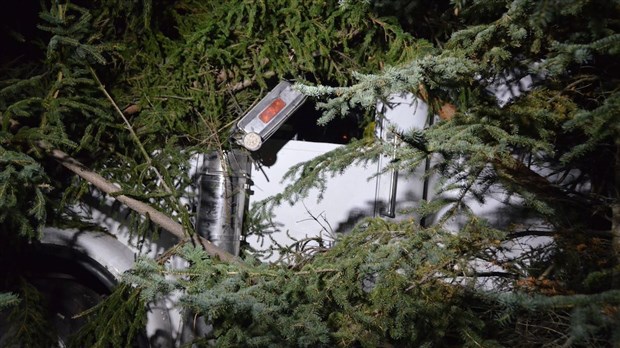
390	210
104	250
286	99
106	258
223	198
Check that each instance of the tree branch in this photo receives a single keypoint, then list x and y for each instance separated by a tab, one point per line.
157	217
538	233
134	136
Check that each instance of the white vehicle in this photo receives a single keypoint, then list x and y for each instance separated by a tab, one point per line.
90	263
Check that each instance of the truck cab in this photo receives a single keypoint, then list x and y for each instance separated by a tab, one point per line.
279	132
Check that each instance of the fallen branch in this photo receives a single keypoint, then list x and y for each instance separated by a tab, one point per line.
157	217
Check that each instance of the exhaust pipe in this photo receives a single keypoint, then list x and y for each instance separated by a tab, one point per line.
224	186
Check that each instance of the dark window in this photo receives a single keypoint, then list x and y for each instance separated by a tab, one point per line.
303	126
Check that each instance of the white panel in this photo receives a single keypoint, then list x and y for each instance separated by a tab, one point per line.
348	196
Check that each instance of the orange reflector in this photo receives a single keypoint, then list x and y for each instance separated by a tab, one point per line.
272	110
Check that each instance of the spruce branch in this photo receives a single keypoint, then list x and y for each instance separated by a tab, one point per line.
8	300
248	82
136	139
224	76
134	136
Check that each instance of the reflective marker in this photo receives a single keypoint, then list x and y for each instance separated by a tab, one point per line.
272	110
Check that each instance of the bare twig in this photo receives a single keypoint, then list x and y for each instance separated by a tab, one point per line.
134	136
131	109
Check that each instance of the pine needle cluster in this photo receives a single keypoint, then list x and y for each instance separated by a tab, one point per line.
527	94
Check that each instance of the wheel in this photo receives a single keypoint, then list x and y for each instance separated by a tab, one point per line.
73	271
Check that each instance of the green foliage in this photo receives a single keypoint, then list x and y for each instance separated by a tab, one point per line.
8	299
27	322
188	69
591	319
191	68
401	286
114	322
562	124
552	146
201	83
50	106
22	186
599	125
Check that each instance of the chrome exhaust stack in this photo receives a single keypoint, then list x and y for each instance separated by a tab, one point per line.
225	178
224	184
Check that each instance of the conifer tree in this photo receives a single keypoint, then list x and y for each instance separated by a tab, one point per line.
133	89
